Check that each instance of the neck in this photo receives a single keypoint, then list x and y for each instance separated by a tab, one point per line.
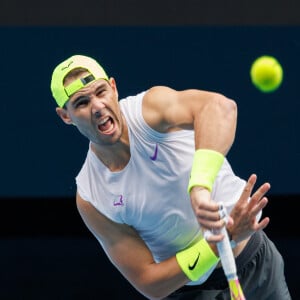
115	157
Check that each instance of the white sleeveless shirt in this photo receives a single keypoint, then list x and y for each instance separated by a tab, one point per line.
150	193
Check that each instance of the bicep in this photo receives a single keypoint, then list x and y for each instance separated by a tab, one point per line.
211	115
166	109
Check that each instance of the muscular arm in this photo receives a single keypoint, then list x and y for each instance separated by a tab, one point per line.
131	256
211	115
213	118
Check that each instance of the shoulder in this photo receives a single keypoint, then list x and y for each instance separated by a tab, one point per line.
156	102
159	95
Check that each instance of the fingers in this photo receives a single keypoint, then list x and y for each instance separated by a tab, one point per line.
214	219
261	225
248	187
258	201
208	211
259	206
261	191
247	209
212	237
214	225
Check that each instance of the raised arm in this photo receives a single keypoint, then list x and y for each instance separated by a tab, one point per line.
213	118
211	115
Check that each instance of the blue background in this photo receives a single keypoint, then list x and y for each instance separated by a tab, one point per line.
41	155
47	251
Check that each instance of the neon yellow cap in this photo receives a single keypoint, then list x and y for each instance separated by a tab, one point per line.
61	93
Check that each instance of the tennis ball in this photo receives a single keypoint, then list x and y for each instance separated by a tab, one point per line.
266	74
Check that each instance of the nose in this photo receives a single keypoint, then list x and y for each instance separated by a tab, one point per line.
97	106
97	114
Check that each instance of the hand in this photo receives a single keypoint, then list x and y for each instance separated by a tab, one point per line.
207	213
245	211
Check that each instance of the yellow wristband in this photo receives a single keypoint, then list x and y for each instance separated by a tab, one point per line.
206	166
196	260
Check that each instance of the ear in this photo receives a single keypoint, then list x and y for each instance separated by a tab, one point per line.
113	85
64	115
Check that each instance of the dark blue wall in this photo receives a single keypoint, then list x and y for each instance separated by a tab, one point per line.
41	156
47	252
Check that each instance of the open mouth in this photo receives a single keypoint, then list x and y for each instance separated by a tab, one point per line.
106	125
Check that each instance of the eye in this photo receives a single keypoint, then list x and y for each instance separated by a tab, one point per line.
100	92
80	102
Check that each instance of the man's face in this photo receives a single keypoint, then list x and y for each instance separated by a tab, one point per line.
95	111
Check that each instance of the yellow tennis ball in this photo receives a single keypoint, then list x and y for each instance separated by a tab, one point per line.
266	73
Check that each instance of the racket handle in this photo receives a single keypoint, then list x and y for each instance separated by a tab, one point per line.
226	255
228	263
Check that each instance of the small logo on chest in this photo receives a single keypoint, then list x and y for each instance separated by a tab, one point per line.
154	156
119	201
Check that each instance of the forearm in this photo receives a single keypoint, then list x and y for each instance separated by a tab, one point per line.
215	124
160	279
191	264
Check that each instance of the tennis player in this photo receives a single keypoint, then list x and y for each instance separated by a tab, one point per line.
151	184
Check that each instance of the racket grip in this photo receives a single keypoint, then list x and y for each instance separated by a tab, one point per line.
226	255
225	251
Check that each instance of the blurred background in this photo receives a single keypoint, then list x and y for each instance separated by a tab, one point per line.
47	252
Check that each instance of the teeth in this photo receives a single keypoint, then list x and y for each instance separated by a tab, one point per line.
104	121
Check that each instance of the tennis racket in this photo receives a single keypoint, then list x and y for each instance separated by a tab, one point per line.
228	263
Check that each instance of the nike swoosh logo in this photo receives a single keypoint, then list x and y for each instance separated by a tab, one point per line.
66	67
154	156
192	267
